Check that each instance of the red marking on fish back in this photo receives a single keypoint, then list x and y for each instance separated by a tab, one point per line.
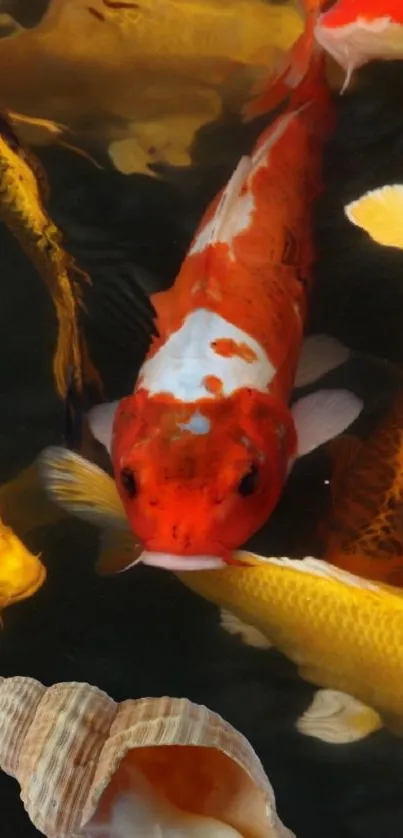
213	385
229	348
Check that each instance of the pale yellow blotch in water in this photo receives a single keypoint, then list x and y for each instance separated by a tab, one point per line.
21	573
380	213
338	718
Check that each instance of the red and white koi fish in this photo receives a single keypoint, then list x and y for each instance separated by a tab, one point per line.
354	32
203	446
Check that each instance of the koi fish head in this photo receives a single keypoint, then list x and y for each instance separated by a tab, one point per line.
198	480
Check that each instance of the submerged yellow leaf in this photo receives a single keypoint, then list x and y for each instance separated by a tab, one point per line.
126	71
380	213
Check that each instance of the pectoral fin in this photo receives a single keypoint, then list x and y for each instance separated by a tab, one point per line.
101	419
84	490
81	488
319	355
251	636
322	416
338	718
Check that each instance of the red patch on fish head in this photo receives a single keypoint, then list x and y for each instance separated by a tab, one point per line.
201	478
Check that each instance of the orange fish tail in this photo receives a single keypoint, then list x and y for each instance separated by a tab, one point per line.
304	56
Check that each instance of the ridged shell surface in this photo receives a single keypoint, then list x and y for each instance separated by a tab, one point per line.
65	744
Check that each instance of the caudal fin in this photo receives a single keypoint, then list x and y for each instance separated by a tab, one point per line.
295	72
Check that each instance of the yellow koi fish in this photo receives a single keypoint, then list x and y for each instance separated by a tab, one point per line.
343	632
23	196
21	573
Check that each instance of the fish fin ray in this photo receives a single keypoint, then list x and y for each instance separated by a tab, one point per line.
80	487
101	418
319	355
309	564
297	73
323	415
251	636
338	718
122	306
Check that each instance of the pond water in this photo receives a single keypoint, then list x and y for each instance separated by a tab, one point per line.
144	633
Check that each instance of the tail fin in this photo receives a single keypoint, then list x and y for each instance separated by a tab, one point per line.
296	68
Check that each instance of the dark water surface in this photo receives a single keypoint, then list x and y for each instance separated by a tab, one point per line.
144	633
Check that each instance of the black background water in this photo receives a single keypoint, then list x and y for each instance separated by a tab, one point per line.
143	633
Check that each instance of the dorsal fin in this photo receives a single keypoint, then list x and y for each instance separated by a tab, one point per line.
309	564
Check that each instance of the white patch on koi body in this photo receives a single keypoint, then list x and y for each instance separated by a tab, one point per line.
235	209
197	424
261	156
234	225
187	358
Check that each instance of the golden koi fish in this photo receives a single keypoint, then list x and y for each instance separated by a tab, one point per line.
21	573
23	196
343	632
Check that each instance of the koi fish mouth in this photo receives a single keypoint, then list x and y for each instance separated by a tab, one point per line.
171	562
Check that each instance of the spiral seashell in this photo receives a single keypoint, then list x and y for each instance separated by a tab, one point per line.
69	747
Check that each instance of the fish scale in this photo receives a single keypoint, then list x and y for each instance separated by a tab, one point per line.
337	641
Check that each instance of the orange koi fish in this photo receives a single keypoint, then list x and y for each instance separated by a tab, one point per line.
202	447
354	32
365	530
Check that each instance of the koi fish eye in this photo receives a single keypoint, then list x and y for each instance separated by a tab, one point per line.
248	484
128	482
